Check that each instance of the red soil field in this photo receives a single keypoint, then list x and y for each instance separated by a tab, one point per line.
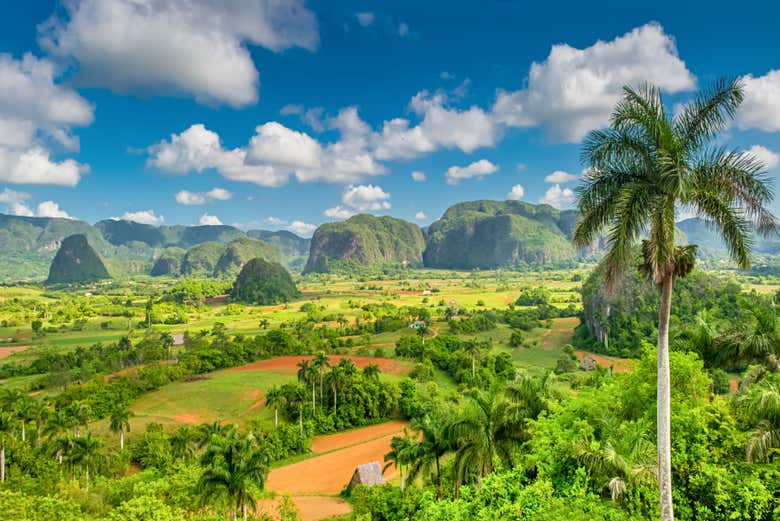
311	508
8	351
289	364
322	444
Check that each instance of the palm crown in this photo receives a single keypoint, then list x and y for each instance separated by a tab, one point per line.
647	164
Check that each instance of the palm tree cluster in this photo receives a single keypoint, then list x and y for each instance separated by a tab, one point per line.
485	434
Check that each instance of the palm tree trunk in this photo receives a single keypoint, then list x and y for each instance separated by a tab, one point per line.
87	479
122	439
2	464
276	417
664	403
243	510
439	490
300	419
473	369
335	401
24	433
313	399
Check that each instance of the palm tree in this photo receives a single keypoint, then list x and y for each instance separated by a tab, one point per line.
275	398
183	441
487	430
761	404
38	414
295	397
307	373
759	340
426	453
401	448
640	170
58	423
472	347
348	367
321	362
207	431
86	453
235	469
7	424
702	338
119	421
80	412
335	378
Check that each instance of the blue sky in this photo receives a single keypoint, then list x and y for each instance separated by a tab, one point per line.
302	112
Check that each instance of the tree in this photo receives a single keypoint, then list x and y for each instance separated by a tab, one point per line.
336	378
473	348
58	423
640	170
183	441
371	371
308	373
321	362
234	469
119	421
426	453
400	454
275	398
87	451
761	405
6	433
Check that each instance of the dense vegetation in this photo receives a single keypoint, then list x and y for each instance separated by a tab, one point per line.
365	241
76	261
264	283
491	234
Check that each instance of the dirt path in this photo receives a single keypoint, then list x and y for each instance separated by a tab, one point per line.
322	444
5	352
289	364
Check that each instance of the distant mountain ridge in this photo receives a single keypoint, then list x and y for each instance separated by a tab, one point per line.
28	244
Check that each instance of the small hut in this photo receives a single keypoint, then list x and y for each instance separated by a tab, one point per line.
368	474
588	363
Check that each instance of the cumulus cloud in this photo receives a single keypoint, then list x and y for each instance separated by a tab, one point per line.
360	198
301	228
761	106
420	216
195	47
516	193
769	159
52	209
209	220
560	177
419	176
585	84
558	197
441	126
9	196
144	217
36	113
478	169
274	154
275	221
365	19
196	198
20	209
312	117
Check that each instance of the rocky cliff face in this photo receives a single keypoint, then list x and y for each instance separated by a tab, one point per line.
365	241
493	234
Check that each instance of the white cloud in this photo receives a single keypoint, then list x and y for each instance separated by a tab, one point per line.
196	47
36	113
585	84
560	177
301	228
219	194
52	209
419	176
364	198
20	209
275	153
312	117
516	193
558	197
769	159
365	19
144	217
440	127
761	106
420	216
403	29
446	75
189	198
275	221
338	212
478	169
209	220
9	196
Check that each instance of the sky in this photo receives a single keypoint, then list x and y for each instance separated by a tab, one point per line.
284	114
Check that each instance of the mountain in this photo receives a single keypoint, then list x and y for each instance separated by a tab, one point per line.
76	261
698	231
28	244
492	234
365	241
288	243
240	251
261	282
